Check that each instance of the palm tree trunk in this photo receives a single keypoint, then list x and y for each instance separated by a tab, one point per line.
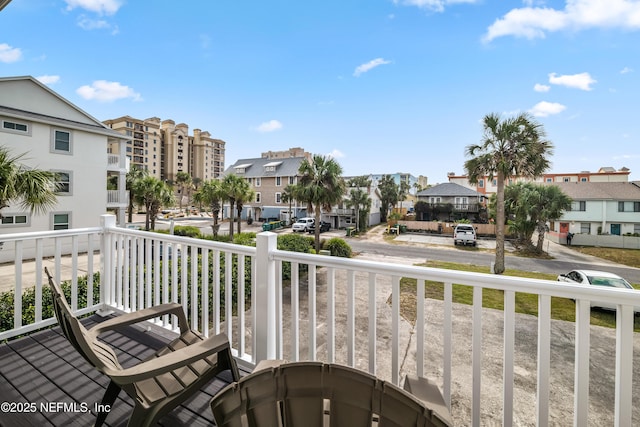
541	230
130	213
498	267
231	206
316	229
239	217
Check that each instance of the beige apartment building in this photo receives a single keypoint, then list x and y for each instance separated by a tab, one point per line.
165	148
488	186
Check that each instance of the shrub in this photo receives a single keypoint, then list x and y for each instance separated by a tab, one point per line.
245	239
338	247
294	243
186	230
29	301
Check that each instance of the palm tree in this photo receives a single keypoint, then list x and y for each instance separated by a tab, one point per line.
135	174
33	189
244	195
232	188
288	196
358	198
510	147
321	184
184	181
388	195
211	194
153	194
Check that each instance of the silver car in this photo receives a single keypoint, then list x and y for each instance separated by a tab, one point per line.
597	278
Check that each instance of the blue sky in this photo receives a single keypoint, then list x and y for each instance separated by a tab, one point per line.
384	86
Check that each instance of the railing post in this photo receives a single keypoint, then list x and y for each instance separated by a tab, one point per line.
107	221
265	327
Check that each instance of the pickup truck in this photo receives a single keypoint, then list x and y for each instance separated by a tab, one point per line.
464	234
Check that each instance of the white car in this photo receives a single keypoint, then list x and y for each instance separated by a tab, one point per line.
597	278
303	224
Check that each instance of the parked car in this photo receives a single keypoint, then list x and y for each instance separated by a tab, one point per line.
464	234
303	224
324	226
597	278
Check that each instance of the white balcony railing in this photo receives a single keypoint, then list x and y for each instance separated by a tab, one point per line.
113	197
330	310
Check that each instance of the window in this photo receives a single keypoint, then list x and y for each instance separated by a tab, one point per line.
15	220
585	228
549	179
63	182
278	198
579	205
258	198
566	179
628	206
583	179
61	221
481	183
434	199
61	141
15	127
636	228
278	181
292	180
494	182
258	181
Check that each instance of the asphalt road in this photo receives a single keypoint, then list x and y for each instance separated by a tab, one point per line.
469	255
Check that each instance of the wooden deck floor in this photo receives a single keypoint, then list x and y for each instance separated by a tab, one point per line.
44	369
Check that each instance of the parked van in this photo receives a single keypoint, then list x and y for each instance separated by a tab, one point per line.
464	234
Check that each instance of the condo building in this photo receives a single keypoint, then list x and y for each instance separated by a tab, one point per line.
165	148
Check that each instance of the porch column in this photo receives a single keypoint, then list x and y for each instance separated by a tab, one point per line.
107	221
265	309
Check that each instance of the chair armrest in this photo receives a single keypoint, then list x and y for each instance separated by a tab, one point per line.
430	395
142	315
170	361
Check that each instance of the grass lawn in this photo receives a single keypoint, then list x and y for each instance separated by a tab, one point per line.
561	308
630	257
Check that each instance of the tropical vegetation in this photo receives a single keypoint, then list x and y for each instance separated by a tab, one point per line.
32	189
321	185
529	207
510	147
153	194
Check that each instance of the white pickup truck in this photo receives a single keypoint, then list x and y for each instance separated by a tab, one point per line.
464	234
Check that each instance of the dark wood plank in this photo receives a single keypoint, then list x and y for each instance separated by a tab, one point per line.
44	367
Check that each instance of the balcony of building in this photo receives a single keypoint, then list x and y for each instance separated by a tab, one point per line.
275	304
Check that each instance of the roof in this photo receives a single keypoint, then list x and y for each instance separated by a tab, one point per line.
600	190
448	189
255	168
19	101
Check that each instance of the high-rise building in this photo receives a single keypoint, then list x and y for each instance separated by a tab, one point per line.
164	148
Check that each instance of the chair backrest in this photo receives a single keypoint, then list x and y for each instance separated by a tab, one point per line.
96	353
314	394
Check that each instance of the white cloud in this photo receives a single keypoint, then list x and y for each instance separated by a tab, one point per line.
335	154
363	68
536	22
104	91
626	70
435	5
270	126
48	80
582	81
92	24
9	54
541	88
544	109
102	7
